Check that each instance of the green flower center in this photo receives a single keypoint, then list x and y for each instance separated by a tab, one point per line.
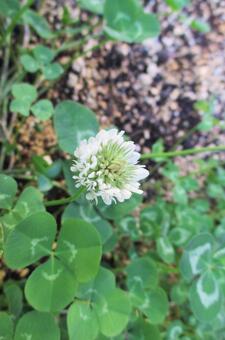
112	162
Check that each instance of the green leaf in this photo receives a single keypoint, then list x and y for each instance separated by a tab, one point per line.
203	106
37	326
82	322
150	218
219	258
95	6
117	210
14	298
43	54
171	171
111	305
215	191
175	330
189	183
73	123
79	247
24	92
158	147
38	23
1	239
8	189
207	123
30	240
128	21
50	287
179	236
179	194
9	8
165	249
53	170
113	313
177	5
196	256
143	272
44	183
6	326
29	63
155	305
88	214
179	293
20	106
52	71
200	26
129	226
71	189
144	330
29	202
102	285
205	297
152	302
43	109
202	205
220	232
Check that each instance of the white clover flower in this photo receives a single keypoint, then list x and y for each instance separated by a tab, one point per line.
106	166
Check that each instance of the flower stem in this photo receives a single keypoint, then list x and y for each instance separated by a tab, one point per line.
66	200
183	152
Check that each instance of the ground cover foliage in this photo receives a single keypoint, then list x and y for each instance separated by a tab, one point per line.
146	268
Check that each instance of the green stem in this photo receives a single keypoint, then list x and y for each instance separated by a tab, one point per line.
66	200
183	152
5	66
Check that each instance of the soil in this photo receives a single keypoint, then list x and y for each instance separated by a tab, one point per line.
147	90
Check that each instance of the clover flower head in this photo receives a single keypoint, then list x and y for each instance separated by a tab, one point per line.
106	165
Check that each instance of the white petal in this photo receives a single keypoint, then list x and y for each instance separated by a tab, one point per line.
141	173
133	157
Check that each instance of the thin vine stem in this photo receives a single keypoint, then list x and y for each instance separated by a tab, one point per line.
186	152
66	200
